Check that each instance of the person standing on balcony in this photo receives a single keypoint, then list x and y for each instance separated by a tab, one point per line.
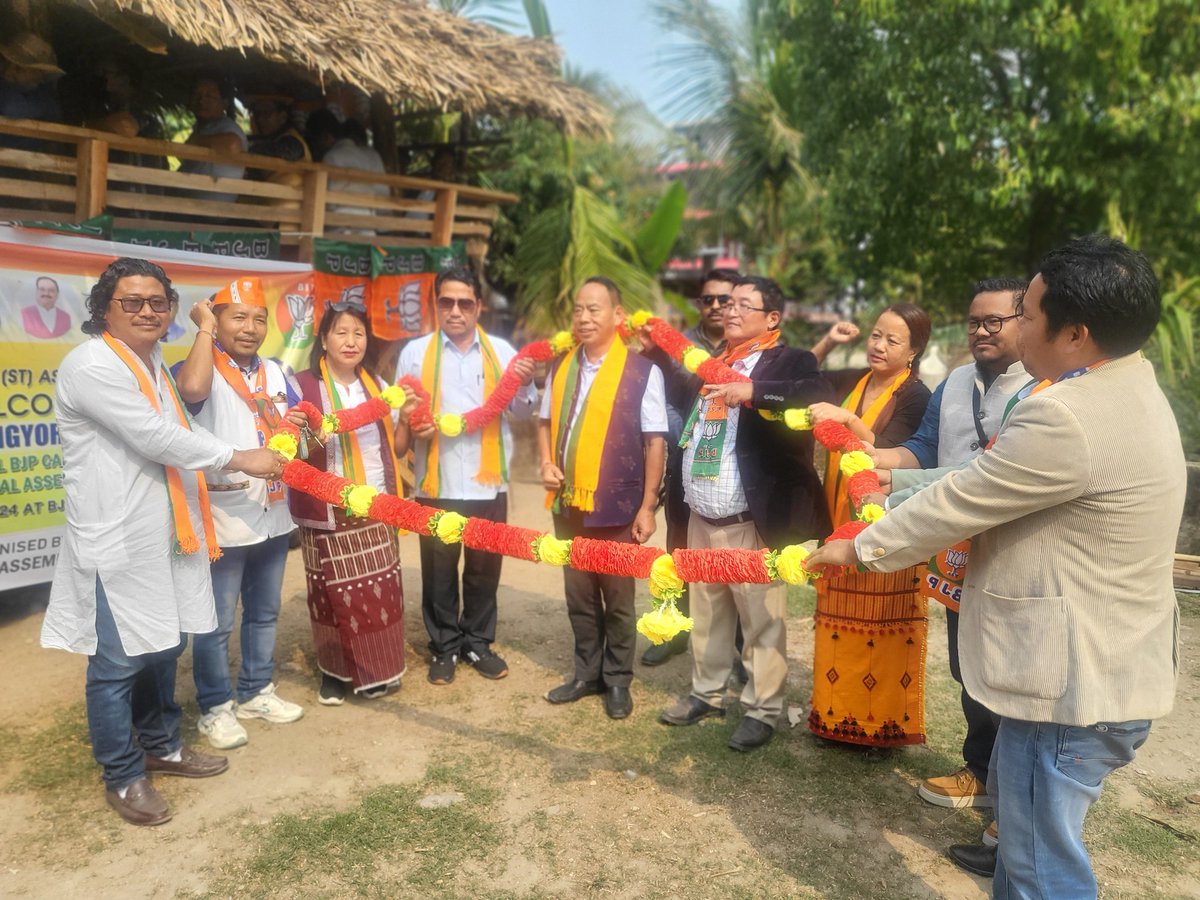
344	146
459	365
215	130
273	133
240	397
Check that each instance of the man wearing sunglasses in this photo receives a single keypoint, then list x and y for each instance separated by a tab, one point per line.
133	578
964	414
459	366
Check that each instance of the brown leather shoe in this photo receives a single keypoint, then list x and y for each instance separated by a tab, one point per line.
192	764
141	805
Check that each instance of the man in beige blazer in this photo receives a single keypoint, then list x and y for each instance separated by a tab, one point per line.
1069	623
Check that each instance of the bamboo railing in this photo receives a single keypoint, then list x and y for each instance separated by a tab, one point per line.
77	174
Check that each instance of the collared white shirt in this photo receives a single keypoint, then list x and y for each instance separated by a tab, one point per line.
654	403
119	525
370	445
722	496
462	390
244	515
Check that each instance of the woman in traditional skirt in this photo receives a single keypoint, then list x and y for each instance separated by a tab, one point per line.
352	565
869	659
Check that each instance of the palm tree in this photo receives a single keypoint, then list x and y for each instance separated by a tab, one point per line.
491	12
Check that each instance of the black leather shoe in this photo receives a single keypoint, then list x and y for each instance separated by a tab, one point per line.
689	711
573	690
975	858
618	702
657	654
750	734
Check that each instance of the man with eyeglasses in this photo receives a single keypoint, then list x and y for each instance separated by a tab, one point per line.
459	366
964	414
749	483
133	574
709	333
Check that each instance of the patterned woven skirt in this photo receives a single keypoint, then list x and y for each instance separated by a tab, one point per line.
869	659
356	601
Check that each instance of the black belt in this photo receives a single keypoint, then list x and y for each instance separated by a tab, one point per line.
726	521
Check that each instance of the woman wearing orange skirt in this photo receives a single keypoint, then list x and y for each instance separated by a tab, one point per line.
869	658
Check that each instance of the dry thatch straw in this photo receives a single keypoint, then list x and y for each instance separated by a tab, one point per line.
403	48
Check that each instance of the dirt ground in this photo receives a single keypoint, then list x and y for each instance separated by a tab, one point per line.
550	801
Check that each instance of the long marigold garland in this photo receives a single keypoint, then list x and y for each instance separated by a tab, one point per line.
667	572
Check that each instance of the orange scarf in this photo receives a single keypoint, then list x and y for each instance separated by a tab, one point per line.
352	460
835	494
266	416
185	536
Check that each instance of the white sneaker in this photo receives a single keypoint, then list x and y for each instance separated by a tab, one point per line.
221	727
270	706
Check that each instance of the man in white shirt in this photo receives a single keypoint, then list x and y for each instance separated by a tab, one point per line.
459	365
44	319
215	130
133	576
241	398
602	443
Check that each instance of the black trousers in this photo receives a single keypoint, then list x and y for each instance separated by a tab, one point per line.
474	627
982	723
601	610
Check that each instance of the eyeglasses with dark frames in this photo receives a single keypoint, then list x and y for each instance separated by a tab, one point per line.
134	305
990	324
466	304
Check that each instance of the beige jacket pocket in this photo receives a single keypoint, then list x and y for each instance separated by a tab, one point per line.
1025	645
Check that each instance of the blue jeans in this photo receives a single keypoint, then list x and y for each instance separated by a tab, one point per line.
125	693
255	573
1044	778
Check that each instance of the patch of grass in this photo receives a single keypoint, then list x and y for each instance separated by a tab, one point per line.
801	601
1169	796
385	845
1189	604
57	758
1138	842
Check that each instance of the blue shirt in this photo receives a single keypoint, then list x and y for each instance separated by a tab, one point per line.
924	442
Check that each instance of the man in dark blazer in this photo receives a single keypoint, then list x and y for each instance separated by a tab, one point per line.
749	483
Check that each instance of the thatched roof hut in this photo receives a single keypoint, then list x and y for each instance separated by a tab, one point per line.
403	49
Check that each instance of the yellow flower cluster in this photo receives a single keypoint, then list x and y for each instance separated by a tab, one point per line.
789	564
393	395
798	419
562	341
283	444
639	318
661	624
694	357
854	462
449	527
665	583
329	423
451	424
871	512
359	498
552	551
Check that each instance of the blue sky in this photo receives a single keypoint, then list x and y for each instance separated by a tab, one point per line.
620	38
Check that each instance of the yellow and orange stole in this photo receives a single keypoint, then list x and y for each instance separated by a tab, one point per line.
185	535
493	467
352	460
261	405
578	450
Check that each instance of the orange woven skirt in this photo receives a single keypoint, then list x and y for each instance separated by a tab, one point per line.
869	659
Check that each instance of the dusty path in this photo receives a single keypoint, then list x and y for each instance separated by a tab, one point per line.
555	802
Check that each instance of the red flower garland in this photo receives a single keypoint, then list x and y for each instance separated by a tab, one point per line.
500	537
356	417
674	344
613	557
720	566
862	484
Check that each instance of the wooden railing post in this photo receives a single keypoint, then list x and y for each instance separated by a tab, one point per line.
444	209
91	178
312	211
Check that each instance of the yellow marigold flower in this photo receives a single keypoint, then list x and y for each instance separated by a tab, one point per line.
665	583
451	424
789	564
359	498
661	624
694	357
393	396
854	462
639	318
283	444
329	423
871	512
798	419
562	342
449	528
552	551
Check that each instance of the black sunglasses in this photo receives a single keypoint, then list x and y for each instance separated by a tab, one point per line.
133	305
467	305
710	299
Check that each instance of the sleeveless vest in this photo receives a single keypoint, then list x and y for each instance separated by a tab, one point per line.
958	439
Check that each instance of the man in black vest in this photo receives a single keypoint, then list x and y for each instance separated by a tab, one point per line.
749	483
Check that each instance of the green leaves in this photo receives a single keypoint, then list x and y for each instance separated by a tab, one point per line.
656	237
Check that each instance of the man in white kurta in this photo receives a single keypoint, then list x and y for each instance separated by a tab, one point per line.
121	593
